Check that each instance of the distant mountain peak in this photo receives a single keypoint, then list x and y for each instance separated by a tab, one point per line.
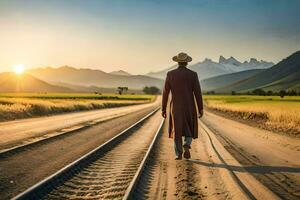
207	60
233	61
254	61
66	67
230	60
222	59
120	72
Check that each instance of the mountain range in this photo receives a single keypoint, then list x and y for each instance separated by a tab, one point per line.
285	75
214	83
11	82
223	76
120	72
208	68
92	77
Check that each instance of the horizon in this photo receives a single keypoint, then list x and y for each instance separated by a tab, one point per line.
91	68
142	36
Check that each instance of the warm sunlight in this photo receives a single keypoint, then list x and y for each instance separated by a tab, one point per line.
19	69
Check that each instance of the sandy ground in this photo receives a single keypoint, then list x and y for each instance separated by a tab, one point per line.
17	132
274	149
271	158
215	171
185	179
26	168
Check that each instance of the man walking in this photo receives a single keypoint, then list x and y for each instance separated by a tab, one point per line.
185	89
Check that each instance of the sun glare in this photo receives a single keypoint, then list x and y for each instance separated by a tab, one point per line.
19	69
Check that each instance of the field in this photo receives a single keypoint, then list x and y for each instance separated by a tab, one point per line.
24	105
270	112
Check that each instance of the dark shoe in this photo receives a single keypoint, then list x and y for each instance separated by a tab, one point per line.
179	157
186	153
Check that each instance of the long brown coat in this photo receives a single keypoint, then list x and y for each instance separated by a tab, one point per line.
185	89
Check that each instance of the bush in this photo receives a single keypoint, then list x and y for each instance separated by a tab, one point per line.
292	93
282	93
151	90
259	91
210	92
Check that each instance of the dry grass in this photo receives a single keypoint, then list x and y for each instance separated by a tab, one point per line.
274	112
16	108
82	96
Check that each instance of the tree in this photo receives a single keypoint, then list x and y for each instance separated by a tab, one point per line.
270	93
233	93
151	90
292	93
259	91
210	92
282	93
122	89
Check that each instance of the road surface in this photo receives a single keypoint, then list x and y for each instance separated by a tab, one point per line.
271	158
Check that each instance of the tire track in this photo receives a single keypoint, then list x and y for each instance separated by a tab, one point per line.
279	183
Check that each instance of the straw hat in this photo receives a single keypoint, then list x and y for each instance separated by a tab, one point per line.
182	57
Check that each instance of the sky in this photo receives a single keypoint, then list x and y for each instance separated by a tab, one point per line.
139	36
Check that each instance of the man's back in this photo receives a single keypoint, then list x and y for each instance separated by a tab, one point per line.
182	82
184	85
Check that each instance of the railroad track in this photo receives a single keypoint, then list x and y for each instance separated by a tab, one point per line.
110	171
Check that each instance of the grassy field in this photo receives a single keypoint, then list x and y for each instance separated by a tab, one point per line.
24	105
272	112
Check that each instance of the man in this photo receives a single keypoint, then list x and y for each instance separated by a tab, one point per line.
185	89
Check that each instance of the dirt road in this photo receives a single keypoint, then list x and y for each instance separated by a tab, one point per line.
271	158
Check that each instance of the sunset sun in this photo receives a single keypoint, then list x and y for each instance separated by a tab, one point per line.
19	69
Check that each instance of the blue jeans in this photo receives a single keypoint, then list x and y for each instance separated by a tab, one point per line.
178	144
